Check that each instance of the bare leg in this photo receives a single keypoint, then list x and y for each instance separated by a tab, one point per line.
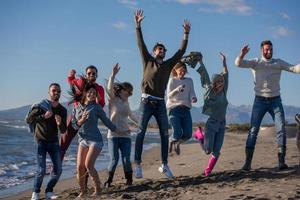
91	157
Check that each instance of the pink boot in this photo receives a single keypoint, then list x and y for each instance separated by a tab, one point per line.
211	163
198	135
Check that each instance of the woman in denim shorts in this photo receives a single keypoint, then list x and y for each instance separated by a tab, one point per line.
86	117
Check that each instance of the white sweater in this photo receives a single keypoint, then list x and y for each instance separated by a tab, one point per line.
267	74
119	112
177	98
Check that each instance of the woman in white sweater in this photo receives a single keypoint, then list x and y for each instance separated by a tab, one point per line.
119	112
180	96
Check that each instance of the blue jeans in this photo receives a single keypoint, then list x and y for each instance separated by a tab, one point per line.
124	144
54	151
261	106
214	136
181	122
157	108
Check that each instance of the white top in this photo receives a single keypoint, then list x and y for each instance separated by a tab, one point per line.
119	112
267	74
177	98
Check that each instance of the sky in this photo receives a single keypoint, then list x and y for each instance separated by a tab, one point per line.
41	40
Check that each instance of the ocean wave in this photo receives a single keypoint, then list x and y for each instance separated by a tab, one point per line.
17	126
10	182
2	172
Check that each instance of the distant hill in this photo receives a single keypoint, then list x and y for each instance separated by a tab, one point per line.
235	114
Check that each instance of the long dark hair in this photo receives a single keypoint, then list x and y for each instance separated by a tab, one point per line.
122	86
86	89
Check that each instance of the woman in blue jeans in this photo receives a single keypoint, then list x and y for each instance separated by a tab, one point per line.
180	96
85	118
215	105
119	112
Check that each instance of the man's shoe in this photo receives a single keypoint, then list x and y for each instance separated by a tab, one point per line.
164	169
35	196
51	195
138	171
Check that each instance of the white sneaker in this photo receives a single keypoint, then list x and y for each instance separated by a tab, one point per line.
51	195
164	169
138	171
35	196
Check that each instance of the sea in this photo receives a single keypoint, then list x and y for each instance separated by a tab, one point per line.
18	156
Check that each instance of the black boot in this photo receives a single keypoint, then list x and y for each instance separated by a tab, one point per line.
249	155
109	180
281	158
128	176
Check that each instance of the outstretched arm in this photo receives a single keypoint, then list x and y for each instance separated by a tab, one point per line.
225	71
204	77
180	52
223	58
110	84
289	67
138	17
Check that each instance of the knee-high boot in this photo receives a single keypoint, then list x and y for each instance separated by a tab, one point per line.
281	158
211	164
128	176
249	155
109	180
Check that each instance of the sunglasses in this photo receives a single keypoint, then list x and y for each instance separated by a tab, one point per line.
91	73
57	91
162	49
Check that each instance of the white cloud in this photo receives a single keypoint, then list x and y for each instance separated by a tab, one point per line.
217	6
129	3
281	31
120	25
285	16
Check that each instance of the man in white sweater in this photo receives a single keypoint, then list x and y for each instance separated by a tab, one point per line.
266	72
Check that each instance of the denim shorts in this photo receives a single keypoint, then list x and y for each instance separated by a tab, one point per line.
88	143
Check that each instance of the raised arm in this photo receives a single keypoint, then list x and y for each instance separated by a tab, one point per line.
110	84
138	17
204	77
223	58
225	71
240	62
180	52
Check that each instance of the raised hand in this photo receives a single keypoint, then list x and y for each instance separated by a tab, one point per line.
186	26
223	57
245	49
115	70
138	17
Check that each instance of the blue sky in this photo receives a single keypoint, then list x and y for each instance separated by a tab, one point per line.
40	41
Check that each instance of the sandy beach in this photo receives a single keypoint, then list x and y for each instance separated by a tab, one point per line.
226	181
